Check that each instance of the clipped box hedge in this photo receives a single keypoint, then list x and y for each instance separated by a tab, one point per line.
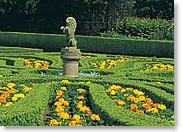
54	42
102	104
28	111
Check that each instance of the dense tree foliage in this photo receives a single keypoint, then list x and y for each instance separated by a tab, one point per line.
93	16
155	8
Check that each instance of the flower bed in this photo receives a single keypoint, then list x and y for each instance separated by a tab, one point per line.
36	63
108	63
137	101
69	106
159	67
11	93
118	93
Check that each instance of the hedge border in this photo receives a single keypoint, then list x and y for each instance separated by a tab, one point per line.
54	42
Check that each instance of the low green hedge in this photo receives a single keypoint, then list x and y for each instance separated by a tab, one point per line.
53	42
28	111
157	94
112	114
10	50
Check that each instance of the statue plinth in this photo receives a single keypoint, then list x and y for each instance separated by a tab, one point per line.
71	57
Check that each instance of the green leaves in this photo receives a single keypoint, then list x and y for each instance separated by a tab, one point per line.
28	111
143	28
114	115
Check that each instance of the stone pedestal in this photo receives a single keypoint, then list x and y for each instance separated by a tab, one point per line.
71	57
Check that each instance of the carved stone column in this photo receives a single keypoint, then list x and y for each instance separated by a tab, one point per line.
71	57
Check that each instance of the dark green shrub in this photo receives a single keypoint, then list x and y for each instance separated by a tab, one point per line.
143	28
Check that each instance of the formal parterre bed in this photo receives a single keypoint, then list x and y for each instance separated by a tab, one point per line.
126	91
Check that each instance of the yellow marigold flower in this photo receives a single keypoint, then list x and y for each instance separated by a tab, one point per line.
130	98
83	109
95	117
37	65
11	85
79	105
117	88
170	67
123	90
64	115
77	118
120	102
162	106
46	64
88	110
80	90
14	99
148	110
27	89
136	100
113	92
63	88
65	81
80	97
9	104
53	122
12	90
20	95
73	123
61	100
152	110
138	92
141	98
59	109
58	103
66	103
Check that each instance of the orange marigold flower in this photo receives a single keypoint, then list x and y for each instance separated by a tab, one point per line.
53	122
140	112
155	105
149	101
133	107
64	115
73	123
95	117
146	106
79	104
59	93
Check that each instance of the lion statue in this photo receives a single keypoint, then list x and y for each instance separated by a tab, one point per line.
69	31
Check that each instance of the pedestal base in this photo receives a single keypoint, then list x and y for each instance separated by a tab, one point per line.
70	56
